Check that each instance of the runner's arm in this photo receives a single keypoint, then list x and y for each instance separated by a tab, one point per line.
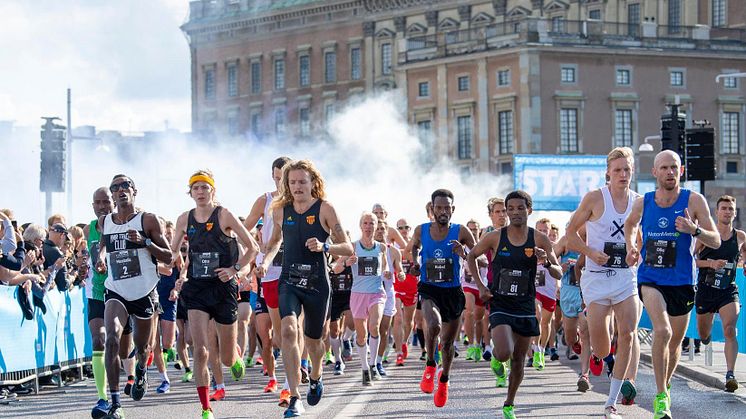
710	236
273	245
250	246
487	242
159	247
179	233
341	243
631	227
465	237
257	212
396	237
543	242
415	245
396	254
578	220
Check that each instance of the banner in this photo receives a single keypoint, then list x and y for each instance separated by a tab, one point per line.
558	183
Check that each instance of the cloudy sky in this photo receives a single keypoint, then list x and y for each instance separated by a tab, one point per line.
126	61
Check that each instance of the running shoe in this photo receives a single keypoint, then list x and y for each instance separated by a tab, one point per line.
478	354
404	350
328	359
597	365
400	360
101	409
381	370
284	398
128	386
508	412
385	359
271	387
731	384
339	368
609	365
577	348
115	412
629	392
276	353
470	353
315	391
367	382
177	365
486	355
611	413
423	356
583	383
466	341
141	383
441	394
250	362
553	355
171	354
164	388
259	360
207	414
346	351
374	375
661	406
238	369
303	375
427	384
569	354
538	361
295	408
218	395
498	368
187	377
150	359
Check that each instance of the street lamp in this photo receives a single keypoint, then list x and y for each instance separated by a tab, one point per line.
646	146
728	75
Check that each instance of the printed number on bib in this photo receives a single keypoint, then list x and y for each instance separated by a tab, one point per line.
301	275
367	266
124	264
94	252
617	255
204	264
468	278
513	283
439	269
660	253
277	260
721	278
541	278
341	282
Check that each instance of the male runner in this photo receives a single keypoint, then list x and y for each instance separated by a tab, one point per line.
340	316
717	291
671	219
443	246
546	304
518	250
499	219
132	243
406	299
473	318
303	221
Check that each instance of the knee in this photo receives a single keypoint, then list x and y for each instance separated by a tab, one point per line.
112	343
200	353
502	354
98	342
663	333
729	331
289	333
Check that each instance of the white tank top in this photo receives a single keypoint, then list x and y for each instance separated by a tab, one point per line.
467	279
133	272
388	284
273	273
607	235
549	289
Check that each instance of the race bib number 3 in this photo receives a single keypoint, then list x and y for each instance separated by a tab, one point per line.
367	266
204	264
513	283
721	278
660	253
617	255
124	264
439	269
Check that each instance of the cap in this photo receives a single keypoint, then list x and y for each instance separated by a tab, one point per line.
59	228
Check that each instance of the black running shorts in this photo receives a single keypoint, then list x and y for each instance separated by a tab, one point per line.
711	300
143	308
314	303
214	297
340	304
522	326
679	298
450	301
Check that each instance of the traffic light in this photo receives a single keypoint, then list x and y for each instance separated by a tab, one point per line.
52	174
673	128
700	153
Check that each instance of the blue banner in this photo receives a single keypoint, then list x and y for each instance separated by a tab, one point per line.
56	335
558	183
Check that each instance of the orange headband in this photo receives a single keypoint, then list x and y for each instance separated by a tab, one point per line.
201	178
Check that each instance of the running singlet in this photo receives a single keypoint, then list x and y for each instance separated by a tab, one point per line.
439	266
607	235
724	278
341	282
366	273
514	273
666	254
301	267
209	247
95	284
132	269
274	269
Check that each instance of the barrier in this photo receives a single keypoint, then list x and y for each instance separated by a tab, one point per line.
717	327
54	340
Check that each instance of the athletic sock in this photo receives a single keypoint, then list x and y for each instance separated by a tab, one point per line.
164	376
443	378
304	363
347	334
337	348
614	388
99	373
115	398
373	343
220	386
431	364
204	397
187	369
286	384
362	352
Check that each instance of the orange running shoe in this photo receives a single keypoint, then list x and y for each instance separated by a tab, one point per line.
284	398
218	395
441	395
271	386
404	350
428	380
597	365
400	360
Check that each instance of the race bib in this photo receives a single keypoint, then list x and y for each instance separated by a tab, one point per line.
124	264
721	278
439	269
513	283
572	279
301	275
94	252
468	278
277	260
617	255
367	266
541	278
204	264
341	282
660	253
406	265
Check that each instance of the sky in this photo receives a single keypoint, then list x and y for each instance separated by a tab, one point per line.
127	62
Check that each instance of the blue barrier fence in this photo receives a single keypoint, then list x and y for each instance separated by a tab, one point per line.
717	328
57	337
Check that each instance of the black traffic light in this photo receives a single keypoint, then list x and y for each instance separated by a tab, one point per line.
52	175
673	128
700	153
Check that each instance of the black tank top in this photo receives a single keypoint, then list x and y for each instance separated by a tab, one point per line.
514	272
300	266
209	247
722	278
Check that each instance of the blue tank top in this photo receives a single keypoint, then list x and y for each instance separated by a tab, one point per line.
568	278
439	266
666	254
367	271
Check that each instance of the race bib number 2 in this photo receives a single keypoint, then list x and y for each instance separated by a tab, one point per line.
125	264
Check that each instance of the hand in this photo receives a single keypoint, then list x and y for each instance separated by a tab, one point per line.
226	274
313	244
458	249
351	260
386	274
27	286
485	295
632	256
101	267
173	295
415	269
684	224
400	276
59	263
599	257
717	264
260	271
541	255
135	237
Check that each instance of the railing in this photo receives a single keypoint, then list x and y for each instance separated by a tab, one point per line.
674	31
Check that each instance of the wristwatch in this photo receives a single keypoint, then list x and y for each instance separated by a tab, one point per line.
697	232
148	242
547	264
237	267
326	247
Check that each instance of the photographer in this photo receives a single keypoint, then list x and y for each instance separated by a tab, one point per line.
52	251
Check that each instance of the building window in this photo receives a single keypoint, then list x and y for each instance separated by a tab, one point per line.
503	78
567	74
633	20
304	115
256	77
731	130
622	77
279	74
623	128
385	59
304	70
423	89
355	59
463	84
594	14
232	120
731	167
677	78
558	24
505	131
210	84
463	124
674	16
568	130
280	121
718	13
506	168
329	111
730	83
232	80
330	67
256	124
424	128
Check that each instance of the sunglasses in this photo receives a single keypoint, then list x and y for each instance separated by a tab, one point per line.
403	227
115	187
59	230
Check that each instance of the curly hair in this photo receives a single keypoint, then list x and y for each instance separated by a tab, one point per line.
285	196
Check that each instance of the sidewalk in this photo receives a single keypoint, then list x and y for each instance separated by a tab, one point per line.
697	370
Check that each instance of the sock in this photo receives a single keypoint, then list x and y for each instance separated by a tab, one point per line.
373	343
488	348
130	378
609	358
443	378
187	369
115	398
204	398
286	385
99	373
362	352
379	359
614	388
304	363
347	334
337	348
220	386
164	376
421	338
272	377
431	364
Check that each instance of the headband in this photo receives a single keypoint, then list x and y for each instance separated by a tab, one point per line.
201	178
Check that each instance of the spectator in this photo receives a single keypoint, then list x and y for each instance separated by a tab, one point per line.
55	219
52	251
12	252
35	234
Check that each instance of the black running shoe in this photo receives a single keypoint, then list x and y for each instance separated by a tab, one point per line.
141	383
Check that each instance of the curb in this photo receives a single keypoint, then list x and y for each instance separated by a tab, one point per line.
700	375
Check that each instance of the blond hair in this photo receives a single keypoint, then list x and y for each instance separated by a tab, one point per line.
620	153
492	202
545	221
285	197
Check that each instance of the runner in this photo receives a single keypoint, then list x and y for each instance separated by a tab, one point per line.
394	267
132	244
546	304
184	337
717	291
443	246
302	221
211	290
340	315
499	218
512	292
474	315
165	326
671	218
406	299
